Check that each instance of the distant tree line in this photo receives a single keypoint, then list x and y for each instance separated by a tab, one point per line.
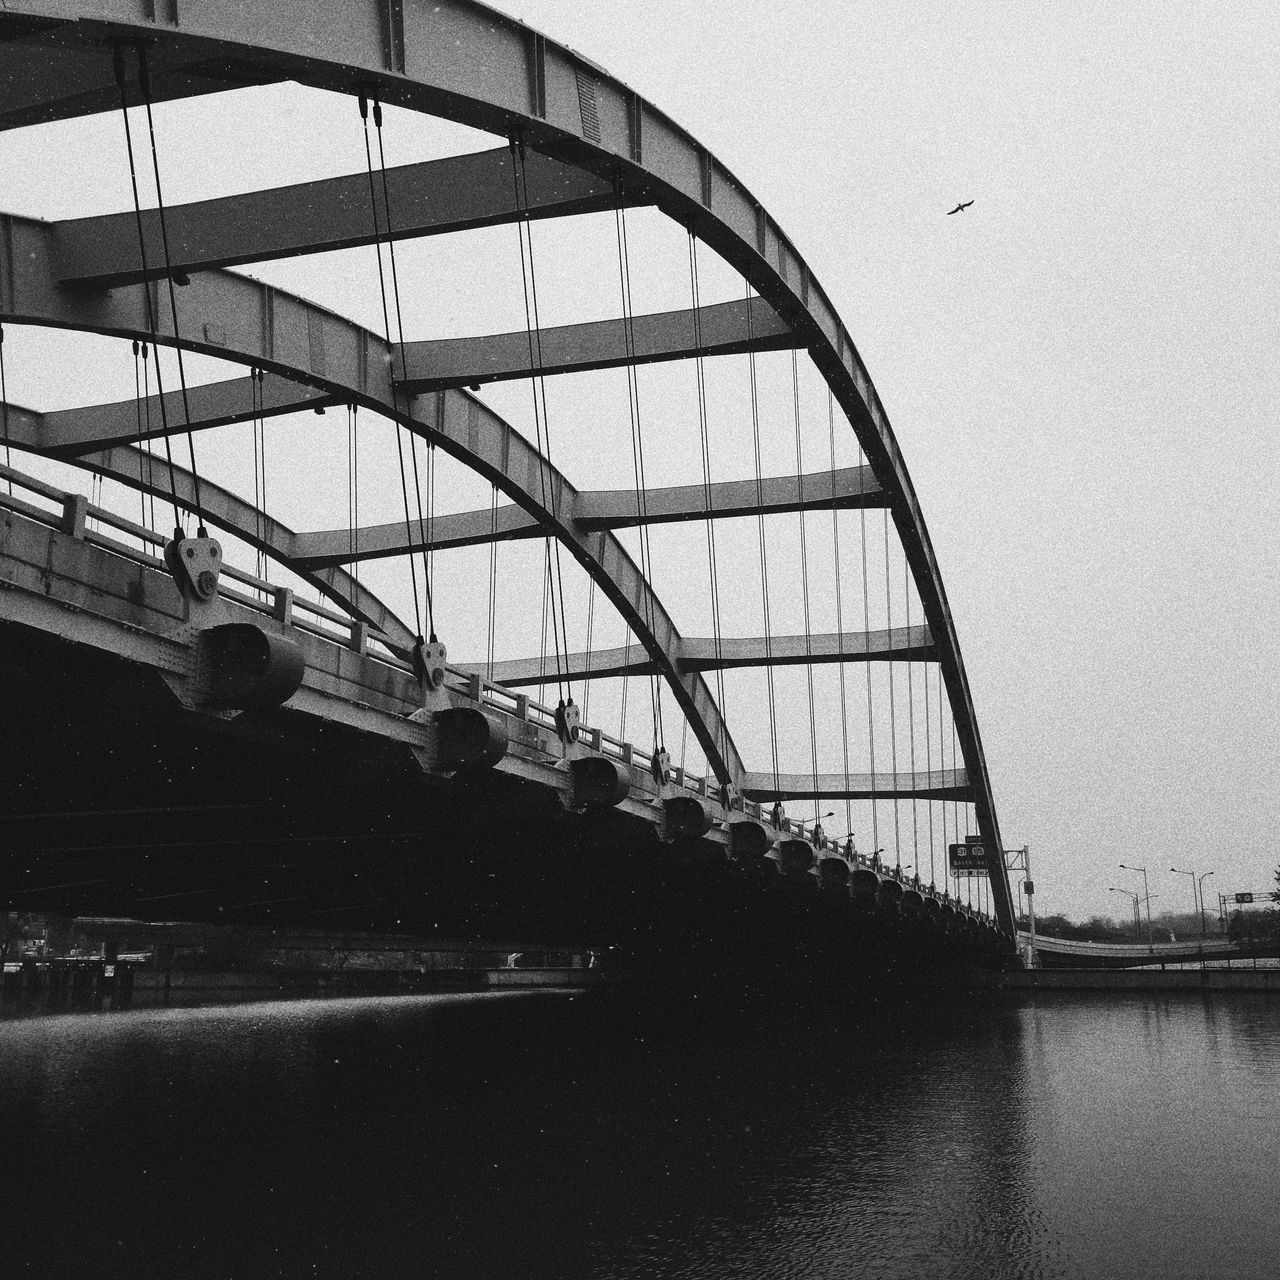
1168	926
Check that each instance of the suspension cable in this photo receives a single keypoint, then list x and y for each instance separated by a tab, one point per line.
256	376
591	625
762	541
538	388
928	765
911	723
143	453
835	543
704	436
523	201
942	757
144	84
871	712
893	710
363	103
4	411
150	450
637	454
428	563
493	582
542	640
148	303
626	682
804	581
353	488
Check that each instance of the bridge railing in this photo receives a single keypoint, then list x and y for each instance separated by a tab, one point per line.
71	513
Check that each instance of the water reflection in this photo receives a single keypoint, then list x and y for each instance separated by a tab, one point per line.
528	1135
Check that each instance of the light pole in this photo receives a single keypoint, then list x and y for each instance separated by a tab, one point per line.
1134	896
1203	878
1194	903
1146	890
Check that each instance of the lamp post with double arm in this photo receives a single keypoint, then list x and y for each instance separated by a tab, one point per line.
1146	891
1195	902
1134	904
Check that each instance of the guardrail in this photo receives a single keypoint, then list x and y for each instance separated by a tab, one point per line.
71	513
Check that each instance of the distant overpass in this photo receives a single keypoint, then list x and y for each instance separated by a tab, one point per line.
1059	953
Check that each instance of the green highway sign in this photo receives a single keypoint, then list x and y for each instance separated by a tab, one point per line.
967	860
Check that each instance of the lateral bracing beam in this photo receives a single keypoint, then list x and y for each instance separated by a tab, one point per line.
65	433
458	193
727	328
593	511
940	784
816	491
902	644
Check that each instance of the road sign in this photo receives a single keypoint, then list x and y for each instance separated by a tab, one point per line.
967	860
1244	897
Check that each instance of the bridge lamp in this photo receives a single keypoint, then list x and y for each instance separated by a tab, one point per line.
1146	890
1136	921
1203	878
1195	903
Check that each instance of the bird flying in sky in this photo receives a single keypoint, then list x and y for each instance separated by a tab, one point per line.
960	208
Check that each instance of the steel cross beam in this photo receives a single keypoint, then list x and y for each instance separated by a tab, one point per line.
242	320
458	193
846	487
902	644
593	511
727	328
64	433
940	784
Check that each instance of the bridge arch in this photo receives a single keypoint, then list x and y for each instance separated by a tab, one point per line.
502	76
452	419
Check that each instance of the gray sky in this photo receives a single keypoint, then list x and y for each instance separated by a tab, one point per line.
1080	368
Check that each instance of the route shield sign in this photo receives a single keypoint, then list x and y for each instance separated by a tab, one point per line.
967	860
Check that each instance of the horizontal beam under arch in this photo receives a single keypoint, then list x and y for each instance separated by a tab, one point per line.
940	784
64	433
773	495
457	193
902	644
233	317
593	511
727	328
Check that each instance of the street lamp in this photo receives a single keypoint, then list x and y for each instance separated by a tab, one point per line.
1147	893
1194	903
1136	921
1203	878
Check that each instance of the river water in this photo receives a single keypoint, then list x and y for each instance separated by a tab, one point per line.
530	1135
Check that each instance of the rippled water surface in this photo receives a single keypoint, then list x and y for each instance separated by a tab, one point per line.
547	1135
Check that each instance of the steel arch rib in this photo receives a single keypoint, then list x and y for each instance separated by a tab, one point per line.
153	474
269	328
503	76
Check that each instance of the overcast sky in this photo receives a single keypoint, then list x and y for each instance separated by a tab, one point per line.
1081	368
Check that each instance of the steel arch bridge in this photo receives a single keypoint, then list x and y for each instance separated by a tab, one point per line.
577	142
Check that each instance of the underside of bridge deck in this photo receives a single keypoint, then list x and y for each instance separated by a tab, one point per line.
117	802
